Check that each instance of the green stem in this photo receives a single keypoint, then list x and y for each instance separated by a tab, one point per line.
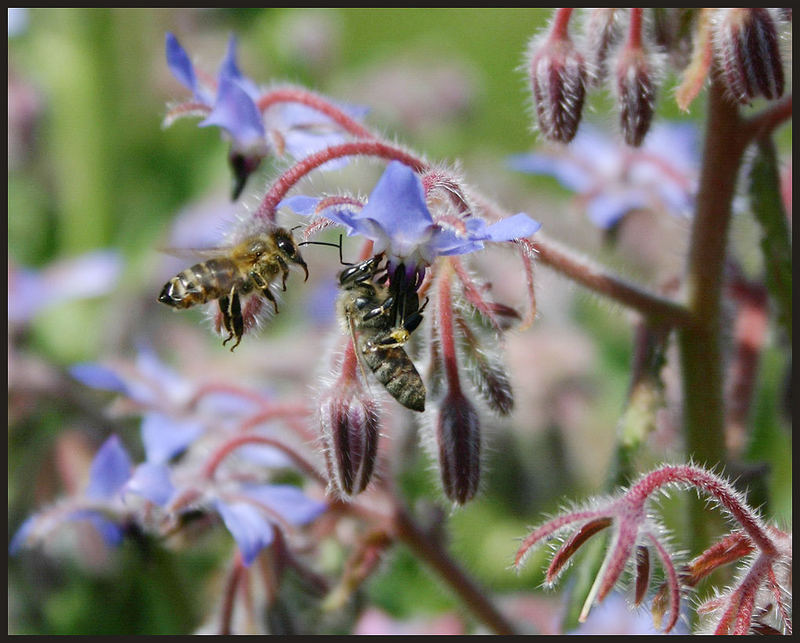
700	342
427	549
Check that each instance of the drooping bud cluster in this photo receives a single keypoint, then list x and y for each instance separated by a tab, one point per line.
561	72
457	431
743	43
350	420
746	47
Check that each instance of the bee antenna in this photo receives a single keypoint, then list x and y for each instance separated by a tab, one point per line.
325	243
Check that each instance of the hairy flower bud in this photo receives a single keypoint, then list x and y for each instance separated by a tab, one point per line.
635	94
601	29
642	573
558	79
351	427
746	46
458	439
486	370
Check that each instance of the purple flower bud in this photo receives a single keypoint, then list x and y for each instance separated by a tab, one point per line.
746	47
350	429
601	31
635	95
486	370
558	78
642	573
458	438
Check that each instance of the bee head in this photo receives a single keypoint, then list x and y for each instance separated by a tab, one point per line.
288	248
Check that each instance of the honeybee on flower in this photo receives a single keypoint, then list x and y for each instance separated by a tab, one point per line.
421	253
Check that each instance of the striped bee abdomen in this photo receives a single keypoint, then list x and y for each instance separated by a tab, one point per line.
201	283
394	369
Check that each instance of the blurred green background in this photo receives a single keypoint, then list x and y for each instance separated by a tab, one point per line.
90	167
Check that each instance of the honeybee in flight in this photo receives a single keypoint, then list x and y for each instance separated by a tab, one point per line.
231	273
380	319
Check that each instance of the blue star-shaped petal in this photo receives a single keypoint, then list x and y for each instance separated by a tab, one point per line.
614	179
396	218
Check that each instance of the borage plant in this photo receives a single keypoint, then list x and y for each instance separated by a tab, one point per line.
421	330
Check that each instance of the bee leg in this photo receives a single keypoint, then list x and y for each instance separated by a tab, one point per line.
284	270
380	310
237	321
397	337
268	294
224	308
412	321
263	286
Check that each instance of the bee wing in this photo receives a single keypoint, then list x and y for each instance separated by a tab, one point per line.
359	356
197	253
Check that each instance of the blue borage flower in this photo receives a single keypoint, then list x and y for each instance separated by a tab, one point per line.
232	102
102	504
232	105
396	218
161	395
250	515
249	511
613	179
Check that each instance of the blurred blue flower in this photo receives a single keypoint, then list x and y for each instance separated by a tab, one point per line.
248	526
612	179
166	429
152	481
170	424
232	105
173	423
150	383
251	514
396	218
99	377
165	437
303	130
89	275
232	102
109	472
